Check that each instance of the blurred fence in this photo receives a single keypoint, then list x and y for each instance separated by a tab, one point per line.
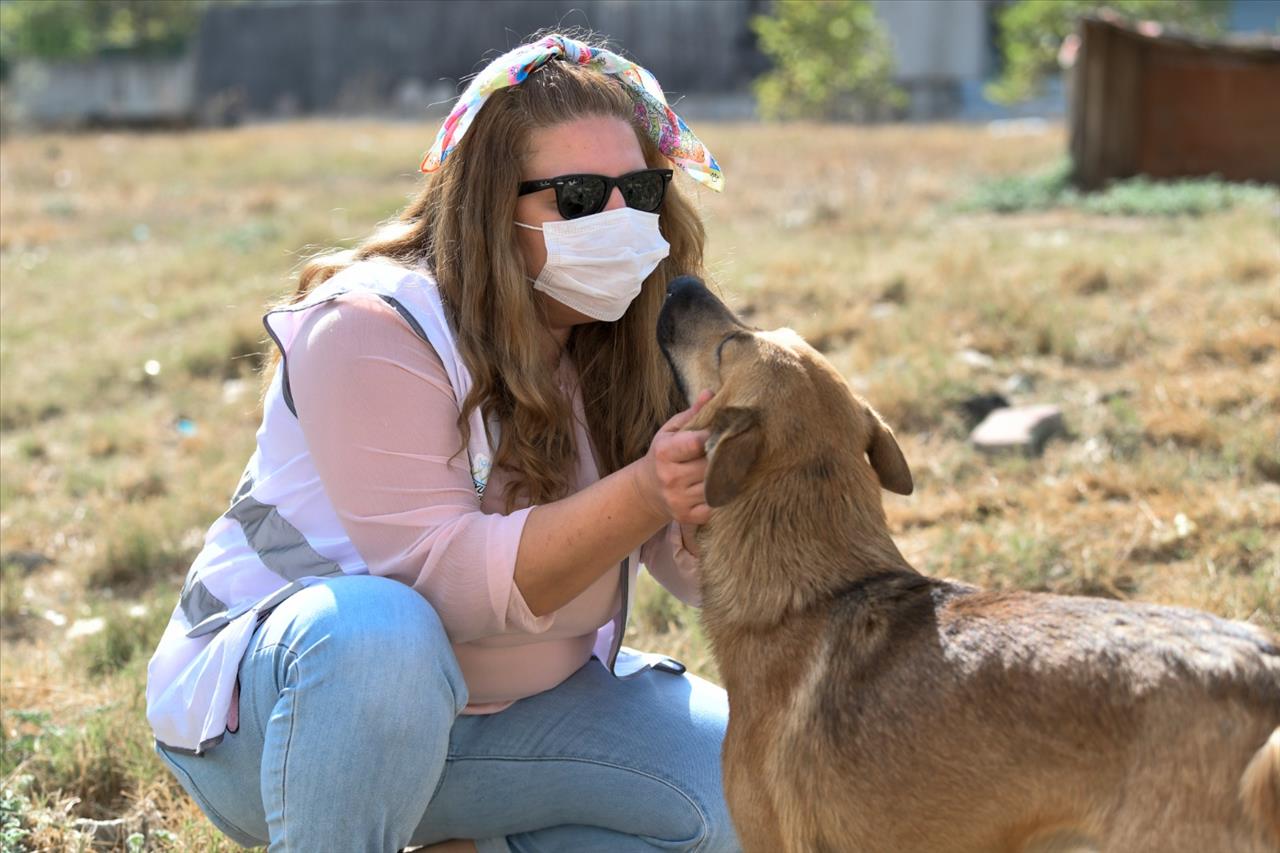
314	57
358	56
108	89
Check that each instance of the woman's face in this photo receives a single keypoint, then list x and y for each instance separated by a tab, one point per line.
599	145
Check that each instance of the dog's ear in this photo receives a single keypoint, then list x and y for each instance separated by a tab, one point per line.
732	449
886	457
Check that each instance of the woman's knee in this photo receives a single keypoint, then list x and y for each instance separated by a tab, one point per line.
379	634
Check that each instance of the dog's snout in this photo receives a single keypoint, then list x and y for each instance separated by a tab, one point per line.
688	294
683	283
682	292
689	304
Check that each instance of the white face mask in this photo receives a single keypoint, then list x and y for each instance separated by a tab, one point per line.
596	264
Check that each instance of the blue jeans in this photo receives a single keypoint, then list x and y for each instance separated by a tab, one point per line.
349	739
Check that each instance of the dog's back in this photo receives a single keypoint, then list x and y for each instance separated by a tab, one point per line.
1127	727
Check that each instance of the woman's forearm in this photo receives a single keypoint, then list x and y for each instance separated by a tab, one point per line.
567	544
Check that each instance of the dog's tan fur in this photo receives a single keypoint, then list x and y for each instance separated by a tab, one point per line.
873	708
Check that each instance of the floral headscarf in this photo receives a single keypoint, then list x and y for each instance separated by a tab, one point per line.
672	136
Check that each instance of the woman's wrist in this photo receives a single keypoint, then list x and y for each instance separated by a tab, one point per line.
644	479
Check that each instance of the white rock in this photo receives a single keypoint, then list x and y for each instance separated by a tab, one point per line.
1018	428
86	627
974	358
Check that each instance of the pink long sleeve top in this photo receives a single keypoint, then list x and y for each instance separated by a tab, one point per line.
380	419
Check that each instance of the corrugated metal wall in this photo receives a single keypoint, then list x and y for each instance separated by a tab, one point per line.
320	56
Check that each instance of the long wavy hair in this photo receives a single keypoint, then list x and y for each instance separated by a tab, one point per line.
461	225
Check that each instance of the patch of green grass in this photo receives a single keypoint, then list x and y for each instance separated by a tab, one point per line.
103	755
14	808
1123	428
1018	193
140	549
659	612
1142	196
240	352
1138	196
126	636
11	579
22	734
662	623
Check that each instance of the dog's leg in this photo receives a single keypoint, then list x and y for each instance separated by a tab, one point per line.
753	813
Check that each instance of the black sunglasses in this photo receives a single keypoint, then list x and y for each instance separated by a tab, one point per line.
583	195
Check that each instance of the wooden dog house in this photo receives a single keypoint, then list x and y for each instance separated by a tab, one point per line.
1170	106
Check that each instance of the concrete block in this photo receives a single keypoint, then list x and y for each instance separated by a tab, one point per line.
1020	428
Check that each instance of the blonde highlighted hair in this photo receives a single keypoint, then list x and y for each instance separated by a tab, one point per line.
461	225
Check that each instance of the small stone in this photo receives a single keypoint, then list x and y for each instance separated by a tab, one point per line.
1268	467
233	390
103	831
1020	428
974	358
795	218
1019	383
896	292
86	627
28	561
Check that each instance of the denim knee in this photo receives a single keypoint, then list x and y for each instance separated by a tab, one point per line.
721	835
383	638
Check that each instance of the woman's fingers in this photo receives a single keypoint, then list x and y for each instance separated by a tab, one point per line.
679	419
684	446
686	492
680	466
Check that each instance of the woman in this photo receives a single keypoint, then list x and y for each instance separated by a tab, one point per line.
406	627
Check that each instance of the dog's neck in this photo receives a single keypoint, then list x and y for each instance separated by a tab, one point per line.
772	554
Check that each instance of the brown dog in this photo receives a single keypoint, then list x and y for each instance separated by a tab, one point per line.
875	709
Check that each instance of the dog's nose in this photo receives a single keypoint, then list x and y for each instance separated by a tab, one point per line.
683	282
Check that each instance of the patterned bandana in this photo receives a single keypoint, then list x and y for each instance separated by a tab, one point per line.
668	130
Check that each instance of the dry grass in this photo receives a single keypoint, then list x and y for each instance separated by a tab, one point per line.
1160	338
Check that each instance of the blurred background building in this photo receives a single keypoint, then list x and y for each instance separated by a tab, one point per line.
258	59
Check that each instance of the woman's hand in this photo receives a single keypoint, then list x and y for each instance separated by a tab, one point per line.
670	476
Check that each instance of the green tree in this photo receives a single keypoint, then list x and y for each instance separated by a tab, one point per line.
831	60
77	29
1032	31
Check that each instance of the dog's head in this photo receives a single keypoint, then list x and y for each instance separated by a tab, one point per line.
780	409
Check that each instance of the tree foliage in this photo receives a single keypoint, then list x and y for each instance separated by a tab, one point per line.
1032	32
78	29
831	60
